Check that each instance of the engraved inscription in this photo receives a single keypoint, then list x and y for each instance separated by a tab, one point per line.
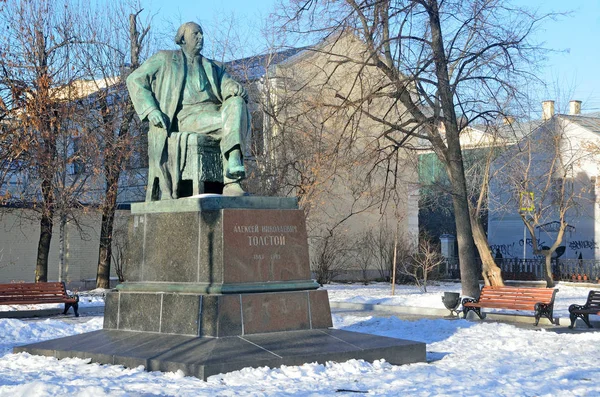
265	245
266	240
245	229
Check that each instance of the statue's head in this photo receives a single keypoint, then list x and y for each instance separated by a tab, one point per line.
190	38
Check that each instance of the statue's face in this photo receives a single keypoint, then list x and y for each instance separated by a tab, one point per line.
194	40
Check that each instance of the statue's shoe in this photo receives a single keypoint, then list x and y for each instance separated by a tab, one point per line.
236	171
234	189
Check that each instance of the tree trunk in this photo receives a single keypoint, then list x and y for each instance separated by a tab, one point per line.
41	267
466	247
548	271
453	159
46	223
108	217
62	246
469	277
492	275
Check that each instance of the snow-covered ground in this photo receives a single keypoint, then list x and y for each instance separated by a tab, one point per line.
464	359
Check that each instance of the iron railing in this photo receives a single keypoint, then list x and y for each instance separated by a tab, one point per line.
533	269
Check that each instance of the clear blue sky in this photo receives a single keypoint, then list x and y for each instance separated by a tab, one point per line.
573	71
576	68
205	10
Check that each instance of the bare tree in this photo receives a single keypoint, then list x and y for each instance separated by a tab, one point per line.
294	148
429	69
119	38
383	251
38	87
405	250
363	246
419	265
329	257
374	250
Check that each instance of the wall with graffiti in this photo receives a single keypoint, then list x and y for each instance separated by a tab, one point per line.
508	240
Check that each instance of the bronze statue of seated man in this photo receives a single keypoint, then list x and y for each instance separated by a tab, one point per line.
182	93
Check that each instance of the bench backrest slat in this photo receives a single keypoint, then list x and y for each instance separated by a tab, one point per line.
516	297
524	294
593	300
53	292
518	291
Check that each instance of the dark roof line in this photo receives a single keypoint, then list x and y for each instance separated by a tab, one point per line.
589	121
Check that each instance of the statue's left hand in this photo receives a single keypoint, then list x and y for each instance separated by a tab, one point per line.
235	89
158	119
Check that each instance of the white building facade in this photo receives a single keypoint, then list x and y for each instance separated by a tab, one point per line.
568	145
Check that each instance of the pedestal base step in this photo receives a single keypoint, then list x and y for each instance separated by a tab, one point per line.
216	315
204	357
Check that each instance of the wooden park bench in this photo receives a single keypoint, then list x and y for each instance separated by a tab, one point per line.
539	300
35	293
592	306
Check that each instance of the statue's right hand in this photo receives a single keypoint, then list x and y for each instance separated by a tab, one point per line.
158	119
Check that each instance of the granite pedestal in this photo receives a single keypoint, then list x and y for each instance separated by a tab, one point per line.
215	284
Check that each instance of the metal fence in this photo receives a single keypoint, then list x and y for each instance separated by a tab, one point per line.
533	269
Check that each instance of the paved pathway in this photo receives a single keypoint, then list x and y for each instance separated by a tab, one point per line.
524	322
409	314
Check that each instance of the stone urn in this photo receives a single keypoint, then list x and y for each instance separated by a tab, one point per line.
451	301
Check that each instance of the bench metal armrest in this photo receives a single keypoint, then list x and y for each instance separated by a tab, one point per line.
576	308
72	295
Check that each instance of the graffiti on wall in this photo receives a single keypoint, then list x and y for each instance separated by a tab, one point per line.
541	243
507	250
514	249
582	245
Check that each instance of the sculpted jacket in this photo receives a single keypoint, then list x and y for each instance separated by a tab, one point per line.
159	82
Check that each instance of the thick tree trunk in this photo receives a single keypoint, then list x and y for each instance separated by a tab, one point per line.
105	250
41	267
464	235
492	275
62	246
46	224
452	157
108	217
548	270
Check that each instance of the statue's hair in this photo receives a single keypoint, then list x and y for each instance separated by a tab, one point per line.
182	29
